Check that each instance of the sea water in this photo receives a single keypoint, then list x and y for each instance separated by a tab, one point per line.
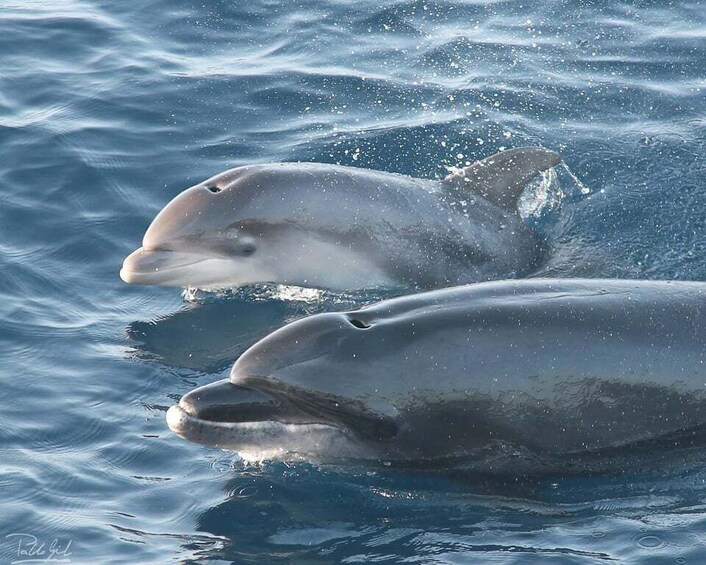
110	109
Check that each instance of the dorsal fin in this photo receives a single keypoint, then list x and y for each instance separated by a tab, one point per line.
501	178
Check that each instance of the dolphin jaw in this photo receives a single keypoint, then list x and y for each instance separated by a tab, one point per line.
156	266
251	421
263	440
160	267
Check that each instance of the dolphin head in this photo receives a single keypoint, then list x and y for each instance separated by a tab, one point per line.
198	238
292	393
245	226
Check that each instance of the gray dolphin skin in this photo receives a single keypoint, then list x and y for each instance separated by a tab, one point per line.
548	367
344	228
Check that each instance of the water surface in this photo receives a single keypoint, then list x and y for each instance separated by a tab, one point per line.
108	110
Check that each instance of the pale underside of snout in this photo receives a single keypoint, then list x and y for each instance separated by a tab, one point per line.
168	268
263	440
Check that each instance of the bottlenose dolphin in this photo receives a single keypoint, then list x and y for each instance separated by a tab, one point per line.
548	366
344	228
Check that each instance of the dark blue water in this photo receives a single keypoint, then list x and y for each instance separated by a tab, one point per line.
108	110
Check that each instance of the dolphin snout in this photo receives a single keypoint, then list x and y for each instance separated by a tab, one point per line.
227	402
137	263
152	266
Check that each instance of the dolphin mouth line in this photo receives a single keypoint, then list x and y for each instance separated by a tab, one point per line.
263	440
230	435
144	265
179	265
225	409
180	420
231	409
242	413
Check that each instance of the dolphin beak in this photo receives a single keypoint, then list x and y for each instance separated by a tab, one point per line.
220	403
225	401
153	266
258	424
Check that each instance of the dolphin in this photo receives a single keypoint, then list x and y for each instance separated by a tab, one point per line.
344	228
540	367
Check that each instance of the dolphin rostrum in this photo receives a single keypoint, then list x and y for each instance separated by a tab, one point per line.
541	367
344	228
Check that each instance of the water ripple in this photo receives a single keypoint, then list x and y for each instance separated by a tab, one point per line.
107	111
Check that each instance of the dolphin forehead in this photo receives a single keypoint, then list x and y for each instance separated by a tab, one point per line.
335	354
293	345
191	213
198	210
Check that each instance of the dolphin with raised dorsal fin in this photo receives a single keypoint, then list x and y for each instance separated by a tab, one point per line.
344	228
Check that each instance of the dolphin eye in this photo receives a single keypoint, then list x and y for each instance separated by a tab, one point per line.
358	324
248	249
213	188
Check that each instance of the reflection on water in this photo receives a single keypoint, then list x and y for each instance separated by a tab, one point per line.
207	337
302	513
214	328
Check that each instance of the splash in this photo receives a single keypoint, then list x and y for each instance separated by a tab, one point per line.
549	189
293	294
544	192
304	296
582	187
255	292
